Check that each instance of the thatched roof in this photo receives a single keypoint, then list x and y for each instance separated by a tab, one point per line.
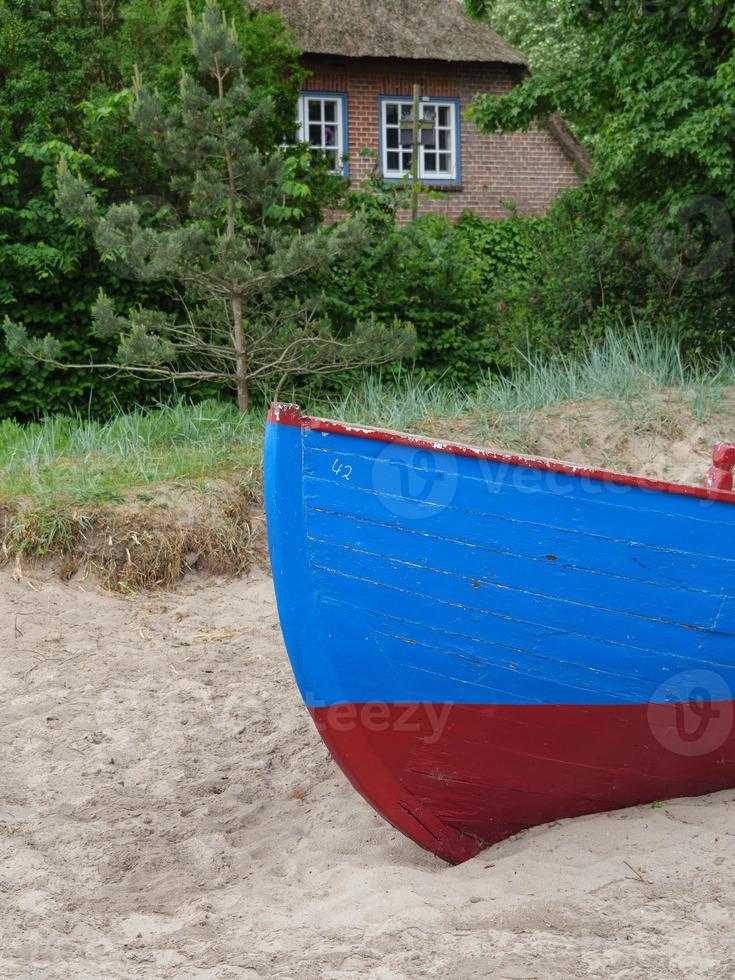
435	29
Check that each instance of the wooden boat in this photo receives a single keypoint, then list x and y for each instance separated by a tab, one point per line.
488	642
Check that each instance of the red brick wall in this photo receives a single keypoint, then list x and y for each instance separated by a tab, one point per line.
527	168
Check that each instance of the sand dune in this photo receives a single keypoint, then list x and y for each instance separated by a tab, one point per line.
169	811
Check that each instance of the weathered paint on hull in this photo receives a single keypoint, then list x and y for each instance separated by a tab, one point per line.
456	778
568	635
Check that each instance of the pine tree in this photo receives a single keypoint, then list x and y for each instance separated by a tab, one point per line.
241	256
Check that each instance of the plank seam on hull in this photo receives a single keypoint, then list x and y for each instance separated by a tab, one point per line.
542	560
509	789
707	630
542	595
489	549
498	691
559	633
598	671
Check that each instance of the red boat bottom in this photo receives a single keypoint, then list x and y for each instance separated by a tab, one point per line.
456	778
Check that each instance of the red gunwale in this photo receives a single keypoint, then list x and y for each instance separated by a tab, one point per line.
281	414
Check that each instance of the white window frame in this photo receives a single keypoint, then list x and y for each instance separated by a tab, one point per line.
342	142
450	176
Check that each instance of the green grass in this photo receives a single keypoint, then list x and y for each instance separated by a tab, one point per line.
64	461
625	366
62	479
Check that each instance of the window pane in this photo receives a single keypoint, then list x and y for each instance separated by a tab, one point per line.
445	162
315	110
443	115
333	158
391	114
430	163
330	111
315	135
406	114
443	139
330	135
394	161
407	158
392	139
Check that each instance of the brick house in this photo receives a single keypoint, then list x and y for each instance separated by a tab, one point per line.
365	56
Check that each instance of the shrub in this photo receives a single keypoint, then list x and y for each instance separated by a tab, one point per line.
593	265
49	277
441	278
504	249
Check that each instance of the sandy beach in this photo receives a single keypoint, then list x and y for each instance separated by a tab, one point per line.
169	811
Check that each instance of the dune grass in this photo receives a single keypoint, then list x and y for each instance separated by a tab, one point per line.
641	374
140	499
624	366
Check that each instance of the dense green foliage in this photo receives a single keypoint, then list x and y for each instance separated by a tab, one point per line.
540	31
65	76
653	84
54	55
650	86
442	278
596	266
50	277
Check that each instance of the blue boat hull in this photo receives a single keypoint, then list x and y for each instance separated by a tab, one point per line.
563	637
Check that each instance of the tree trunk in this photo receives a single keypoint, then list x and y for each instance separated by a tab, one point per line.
241	361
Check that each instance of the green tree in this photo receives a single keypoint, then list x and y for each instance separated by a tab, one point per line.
650	87
54	101
42	75
653	88
238	258
49	275
540	31
152	39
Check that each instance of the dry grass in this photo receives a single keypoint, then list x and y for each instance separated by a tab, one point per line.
138	546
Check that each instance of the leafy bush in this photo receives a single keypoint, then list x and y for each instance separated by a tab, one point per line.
50	276
483	295
441	278
649	86
593	265
504	249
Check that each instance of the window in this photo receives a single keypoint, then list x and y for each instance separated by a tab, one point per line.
323	126
439	157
